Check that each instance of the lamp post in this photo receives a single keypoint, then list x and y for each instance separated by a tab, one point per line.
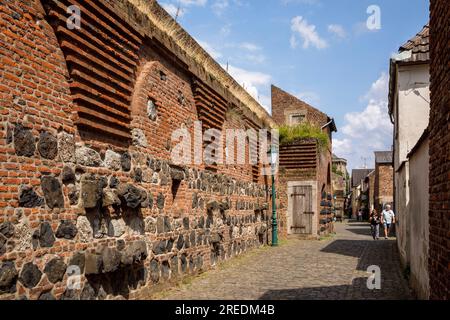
273	154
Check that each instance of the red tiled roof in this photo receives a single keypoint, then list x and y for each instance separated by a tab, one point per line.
419	45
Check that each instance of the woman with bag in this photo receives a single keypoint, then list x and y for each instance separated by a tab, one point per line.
375	221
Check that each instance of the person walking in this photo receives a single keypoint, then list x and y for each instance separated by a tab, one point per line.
388	219
375	220
360	215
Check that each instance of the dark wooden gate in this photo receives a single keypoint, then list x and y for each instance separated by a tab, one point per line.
302	215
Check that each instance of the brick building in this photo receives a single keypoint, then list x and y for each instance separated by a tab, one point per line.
439	139
305	185
88	185
384	180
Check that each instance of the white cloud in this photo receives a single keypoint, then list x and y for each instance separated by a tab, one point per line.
256	58
337	30
225	30
369	130
307	32
253	82
379	89
342	146
210	49
360	28
293	41
199	3
250	46
310	2
178	8
219	6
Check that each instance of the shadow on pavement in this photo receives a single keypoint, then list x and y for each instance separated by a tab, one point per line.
358	224
360	231
352	248
317	293
358	290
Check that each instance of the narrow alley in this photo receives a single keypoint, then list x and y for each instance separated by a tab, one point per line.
333	269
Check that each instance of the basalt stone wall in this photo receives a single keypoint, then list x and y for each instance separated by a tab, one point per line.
439	252
96	209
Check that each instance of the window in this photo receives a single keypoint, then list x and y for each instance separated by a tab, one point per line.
296	119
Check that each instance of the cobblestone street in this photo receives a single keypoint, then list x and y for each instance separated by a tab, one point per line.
306	270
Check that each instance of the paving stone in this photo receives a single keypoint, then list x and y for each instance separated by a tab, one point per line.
333	269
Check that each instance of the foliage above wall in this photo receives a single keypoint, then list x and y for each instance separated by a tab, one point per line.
289	134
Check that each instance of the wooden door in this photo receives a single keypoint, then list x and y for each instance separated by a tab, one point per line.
302	215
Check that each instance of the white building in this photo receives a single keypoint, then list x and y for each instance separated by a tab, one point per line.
409	108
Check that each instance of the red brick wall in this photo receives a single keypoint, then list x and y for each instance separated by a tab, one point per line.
439	263
61	186
283	101
384	185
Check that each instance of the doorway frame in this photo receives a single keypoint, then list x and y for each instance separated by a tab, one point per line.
290	190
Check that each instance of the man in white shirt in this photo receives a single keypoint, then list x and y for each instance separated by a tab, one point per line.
388	218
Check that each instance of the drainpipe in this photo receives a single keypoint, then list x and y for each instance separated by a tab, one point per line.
326	125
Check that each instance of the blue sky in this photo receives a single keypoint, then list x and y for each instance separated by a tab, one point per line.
319	50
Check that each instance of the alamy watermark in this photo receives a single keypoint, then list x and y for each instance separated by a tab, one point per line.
73	277
374	20
374	280
74	21
228	147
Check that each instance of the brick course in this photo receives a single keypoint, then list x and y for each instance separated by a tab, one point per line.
439	252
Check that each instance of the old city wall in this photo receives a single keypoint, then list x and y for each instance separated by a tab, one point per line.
88	186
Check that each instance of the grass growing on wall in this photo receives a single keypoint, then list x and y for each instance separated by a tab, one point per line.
290	134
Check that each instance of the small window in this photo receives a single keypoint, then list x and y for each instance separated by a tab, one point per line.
296	119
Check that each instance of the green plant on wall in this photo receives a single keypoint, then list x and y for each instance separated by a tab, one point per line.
289	134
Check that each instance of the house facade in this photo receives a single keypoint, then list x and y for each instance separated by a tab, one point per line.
409	96
305	177
409	108
418	161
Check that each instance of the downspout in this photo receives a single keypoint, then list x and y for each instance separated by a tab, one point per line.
326	125
391	116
